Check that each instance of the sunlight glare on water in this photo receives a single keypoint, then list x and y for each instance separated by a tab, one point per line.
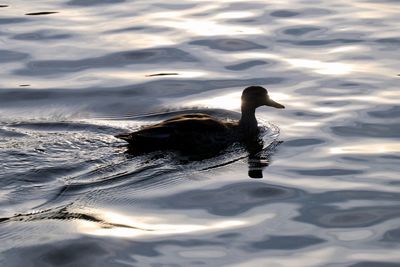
142	226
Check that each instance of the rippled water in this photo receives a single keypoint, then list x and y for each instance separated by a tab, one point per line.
76	72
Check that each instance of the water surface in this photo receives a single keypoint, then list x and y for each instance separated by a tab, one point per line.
76	72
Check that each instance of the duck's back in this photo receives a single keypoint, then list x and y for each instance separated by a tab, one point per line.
190	132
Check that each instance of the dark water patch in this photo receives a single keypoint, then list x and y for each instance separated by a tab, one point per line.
308	114
224	201
393	157
348	86
392	236
281	242
86	252
338	87
361	129
323	209
341	103
391	112
320	42
41	13
74	254
242	21
326	172
280	14
15	95
148	29
361	57
317	11
240	6
180	6
354	159
329	217
298	31
103	252
41	35
128	29
303	142
162	74
246	65
93	2
119	59
12	20
229	236
391	41
11	133
351	218
228	44
284	13
11	56
3	5
394	183
375	264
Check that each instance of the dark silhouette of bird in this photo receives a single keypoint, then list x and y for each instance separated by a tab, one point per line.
199	133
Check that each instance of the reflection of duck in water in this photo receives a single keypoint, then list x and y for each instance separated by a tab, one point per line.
199	133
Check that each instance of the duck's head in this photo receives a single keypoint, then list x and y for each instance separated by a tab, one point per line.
257	96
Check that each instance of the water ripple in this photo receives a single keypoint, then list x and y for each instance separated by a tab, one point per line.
71	80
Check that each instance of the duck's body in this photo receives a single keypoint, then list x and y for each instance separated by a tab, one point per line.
201	133
188	133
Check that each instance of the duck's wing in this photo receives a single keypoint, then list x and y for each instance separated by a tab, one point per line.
202	136
155	137
181	124
157	131
186	132
189	116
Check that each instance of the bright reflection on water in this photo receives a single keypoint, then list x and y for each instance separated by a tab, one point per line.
76	72
142	226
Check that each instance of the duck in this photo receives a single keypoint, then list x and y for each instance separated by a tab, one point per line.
202	134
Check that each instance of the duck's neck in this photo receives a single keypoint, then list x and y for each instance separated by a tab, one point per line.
248	121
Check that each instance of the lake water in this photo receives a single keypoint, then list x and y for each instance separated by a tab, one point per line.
76	72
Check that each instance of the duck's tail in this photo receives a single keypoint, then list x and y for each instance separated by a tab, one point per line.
125	136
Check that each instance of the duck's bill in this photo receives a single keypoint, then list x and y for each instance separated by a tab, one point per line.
274	104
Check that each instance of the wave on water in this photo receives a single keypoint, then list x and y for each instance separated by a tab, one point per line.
63	163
